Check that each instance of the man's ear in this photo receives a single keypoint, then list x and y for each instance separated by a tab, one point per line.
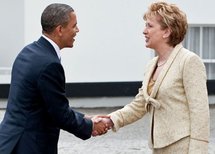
167	33
58	30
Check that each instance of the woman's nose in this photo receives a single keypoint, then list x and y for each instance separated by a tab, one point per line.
144	31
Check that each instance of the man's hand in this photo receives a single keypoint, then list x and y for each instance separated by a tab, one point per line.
101	125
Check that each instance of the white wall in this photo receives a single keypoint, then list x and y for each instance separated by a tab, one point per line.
110	45
12	35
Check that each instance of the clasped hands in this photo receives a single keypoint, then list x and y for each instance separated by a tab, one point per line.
101	124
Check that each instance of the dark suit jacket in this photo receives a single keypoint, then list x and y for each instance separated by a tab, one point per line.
37	106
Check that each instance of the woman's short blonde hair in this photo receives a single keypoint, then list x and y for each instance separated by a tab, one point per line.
170	16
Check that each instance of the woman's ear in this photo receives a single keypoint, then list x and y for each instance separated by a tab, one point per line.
167	33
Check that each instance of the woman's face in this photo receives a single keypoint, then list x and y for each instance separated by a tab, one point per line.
154	35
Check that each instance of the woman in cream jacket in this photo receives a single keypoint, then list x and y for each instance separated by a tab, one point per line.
174	89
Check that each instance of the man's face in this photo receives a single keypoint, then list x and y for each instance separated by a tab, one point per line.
69	32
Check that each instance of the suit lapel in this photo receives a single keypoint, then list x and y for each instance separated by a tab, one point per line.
48	45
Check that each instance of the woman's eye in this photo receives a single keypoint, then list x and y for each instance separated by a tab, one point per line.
148	25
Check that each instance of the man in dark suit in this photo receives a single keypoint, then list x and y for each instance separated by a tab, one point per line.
37	105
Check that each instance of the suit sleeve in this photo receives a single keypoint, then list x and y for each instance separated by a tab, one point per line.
194	79
51	85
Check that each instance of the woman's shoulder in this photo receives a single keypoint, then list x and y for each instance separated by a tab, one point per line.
189	58
186	54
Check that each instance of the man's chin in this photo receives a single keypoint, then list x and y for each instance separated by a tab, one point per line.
70	46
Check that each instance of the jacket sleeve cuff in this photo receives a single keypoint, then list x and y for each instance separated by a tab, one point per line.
115	127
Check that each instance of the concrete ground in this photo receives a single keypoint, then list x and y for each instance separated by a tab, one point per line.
131	139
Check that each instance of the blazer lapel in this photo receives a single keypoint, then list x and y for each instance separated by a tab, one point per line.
146	81
148	74
165	70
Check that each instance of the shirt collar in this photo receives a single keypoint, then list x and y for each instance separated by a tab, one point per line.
56	47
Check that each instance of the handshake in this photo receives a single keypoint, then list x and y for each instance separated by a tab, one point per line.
101	124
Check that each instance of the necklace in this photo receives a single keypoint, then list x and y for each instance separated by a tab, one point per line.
159	65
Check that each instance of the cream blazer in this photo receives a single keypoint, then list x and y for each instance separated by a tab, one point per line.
178	104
